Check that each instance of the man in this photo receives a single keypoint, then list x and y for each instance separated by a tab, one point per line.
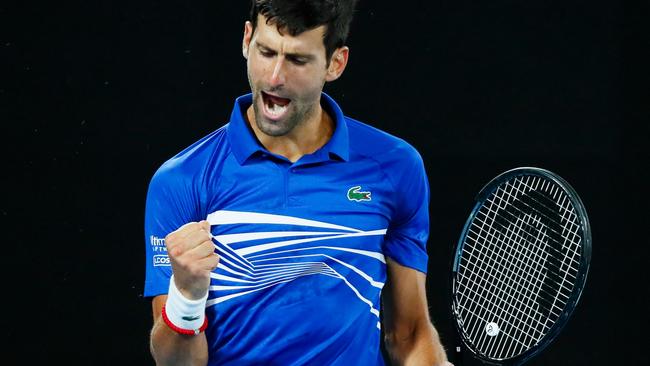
283	228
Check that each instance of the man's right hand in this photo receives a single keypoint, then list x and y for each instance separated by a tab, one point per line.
192	256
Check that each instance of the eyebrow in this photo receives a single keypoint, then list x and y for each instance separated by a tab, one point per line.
304	56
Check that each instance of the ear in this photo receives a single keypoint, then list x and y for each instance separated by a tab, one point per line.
338	61
248	35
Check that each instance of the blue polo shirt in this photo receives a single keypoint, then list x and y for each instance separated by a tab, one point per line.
302	245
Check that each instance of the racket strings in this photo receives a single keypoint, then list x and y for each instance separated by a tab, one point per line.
492	236
524	266
492	253
501	310
575	244
504	308
574	234
572	237
518	267
569	220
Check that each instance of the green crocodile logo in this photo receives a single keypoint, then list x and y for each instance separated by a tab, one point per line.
354	194
190	318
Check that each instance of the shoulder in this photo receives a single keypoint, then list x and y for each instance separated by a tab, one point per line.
195	160
387	150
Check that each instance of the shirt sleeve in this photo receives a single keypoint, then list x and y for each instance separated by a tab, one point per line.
408	232
169	205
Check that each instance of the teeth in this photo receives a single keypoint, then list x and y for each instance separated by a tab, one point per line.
276	109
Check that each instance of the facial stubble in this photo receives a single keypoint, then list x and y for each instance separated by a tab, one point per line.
297	114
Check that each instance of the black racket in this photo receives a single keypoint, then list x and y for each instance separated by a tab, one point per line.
521	264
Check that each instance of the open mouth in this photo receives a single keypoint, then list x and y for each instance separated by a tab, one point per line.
275	106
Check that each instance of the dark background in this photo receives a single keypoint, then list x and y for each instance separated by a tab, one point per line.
95	95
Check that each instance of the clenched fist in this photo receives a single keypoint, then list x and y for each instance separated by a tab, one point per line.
192	256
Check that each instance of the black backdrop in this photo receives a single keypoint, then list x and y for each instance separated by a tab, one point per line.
95	95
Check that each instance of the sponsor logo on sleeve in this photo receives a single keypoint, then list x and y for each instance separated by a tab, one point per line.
157	244
161	260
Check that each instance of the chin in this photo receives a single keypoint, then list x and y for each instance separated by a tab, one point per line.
272	128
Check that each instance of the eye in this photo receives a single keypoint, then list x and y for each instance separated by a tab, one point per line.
297	61
267	53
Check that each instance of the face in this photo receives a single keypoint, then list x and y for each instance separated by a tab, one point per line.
287	74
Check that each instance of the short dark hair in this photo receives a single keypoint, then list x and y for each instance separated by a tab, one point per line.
297	16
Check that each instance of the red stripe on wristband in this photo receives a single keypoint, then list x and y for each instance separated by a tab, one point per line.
181	330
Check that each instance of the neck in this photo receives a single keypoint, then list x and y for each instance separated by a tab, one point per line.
306	138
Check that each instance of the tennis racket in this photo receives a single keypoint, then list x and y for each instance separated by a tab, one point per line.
520	265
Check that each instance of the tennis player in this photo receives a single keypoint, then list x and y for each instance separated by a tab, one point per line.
292	235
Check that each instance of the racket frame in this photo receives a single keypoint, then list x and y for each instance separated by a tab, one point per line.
585	261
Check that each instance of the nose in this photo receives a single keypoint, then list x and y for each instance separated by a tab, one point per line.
277	74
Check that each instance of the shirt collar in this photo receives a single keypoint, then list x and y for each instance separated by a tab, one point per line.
244	144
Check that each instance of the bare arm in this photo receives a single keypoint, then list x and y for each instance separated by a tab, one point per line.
411	339
171	348
191	253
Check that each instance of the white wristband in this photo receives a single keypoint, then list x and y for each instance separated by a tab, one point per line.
183	312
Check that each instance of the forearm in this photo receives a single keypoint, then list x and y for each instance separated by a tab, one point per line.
171	348
419	347
179	320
